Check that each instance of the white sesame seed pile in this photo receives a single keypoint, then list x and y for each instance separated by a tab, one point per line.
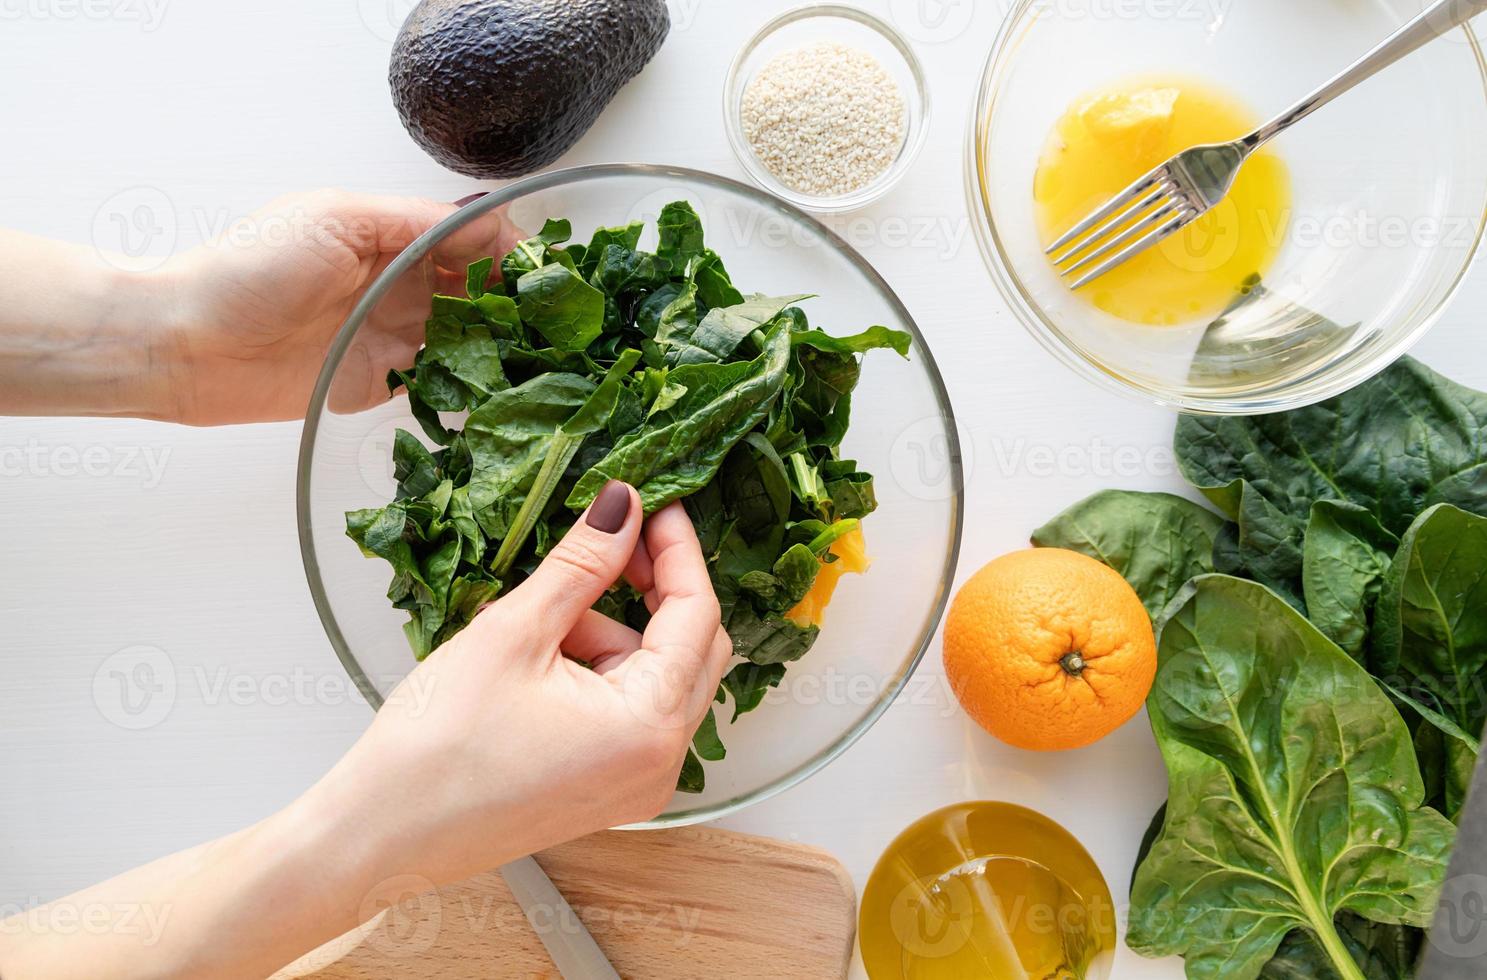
825	119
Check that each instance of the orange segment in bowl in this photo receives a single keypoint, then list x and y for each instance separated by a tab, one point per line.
851	557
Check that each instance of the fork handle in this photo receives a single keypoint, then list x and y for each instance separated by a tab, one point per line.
1439	18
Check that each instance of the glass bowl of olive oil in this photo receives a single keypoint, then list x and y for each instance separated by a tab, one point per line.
986	889
1340	246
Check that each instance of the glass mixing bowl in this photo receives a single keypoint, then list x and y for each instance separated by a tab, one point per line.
879	624
1389	188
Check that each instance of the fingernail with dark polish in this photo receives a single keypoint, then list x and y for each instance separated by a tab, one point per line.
470	199
608	511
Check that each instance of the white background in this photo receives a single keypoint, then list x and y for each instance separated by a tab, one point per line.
198	111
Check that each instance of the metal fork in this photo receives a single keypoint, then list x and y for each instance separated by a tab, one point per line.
1189	185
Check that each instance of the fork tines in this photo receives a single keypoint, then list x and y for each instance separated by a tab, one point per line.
1140	216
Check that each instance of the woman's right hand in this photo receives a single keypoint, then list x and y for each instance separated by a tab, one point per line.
503	743
498	745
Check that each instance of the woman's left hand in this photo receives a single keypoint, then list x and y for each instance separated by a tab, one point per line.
255	311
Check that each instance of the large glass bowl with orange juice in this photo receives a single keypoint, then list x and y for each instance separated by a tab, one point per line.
1340	245
878	624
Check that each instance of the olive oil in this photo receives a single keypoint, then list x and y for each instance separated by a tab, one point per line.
986	890
1109	139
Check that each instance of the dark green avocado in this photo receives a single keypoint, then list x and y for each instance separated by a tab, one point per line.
500	88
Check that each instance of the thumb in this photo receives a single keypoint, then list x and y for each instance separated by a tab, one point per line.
586	562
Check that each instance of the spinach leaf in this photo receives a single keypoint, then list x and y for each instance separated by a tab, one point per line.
1394	446
677	319
706	743
499	312
423	578
1446	764
818	537
625	236
380	533
1262	543
438	572
1344	558
649	311
1294	794
510	437
852	495
787	583
1325	506
749	682
469	353
1157	541
592	416
1430	635
870	339
414	467
714	287
720	332
691	779
738	564
426	415
683	456
466	527
756	490
458	368
808	484
534	252
1148	838
477	277
1382	951
527	363
623	271
681	234
557	303
769	639
467	594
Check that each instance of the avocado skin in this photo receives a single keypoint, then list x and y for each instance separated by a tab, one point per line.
500	88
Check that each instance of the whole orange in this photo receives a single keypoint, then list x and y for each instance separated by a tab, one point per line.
1049	649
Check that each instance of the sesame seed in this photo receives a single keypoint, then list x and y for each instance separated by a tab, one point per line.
825	120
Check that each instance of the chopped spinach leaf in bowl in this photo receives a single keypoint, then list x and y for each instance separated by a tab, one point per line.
704	343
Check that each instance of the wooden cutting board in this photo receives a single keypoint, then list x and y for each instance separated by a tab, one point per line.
663	905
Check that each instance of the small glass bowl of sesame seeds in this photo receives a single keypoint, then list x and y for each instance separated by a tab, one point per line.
826	107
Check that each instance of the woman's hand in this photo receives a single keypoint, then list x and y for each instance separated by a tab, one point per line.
237	329
255	312
500	744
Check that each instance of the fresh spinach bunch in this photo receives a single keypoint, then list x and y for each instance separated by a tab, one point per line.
577	364
1295	794
1322	685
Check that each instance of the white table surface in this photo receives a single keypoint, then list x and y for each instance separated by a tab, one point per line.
118	535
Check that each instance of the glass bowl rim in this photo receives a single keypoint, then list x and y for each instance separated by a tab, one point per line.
913	140
521	188
1298	392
